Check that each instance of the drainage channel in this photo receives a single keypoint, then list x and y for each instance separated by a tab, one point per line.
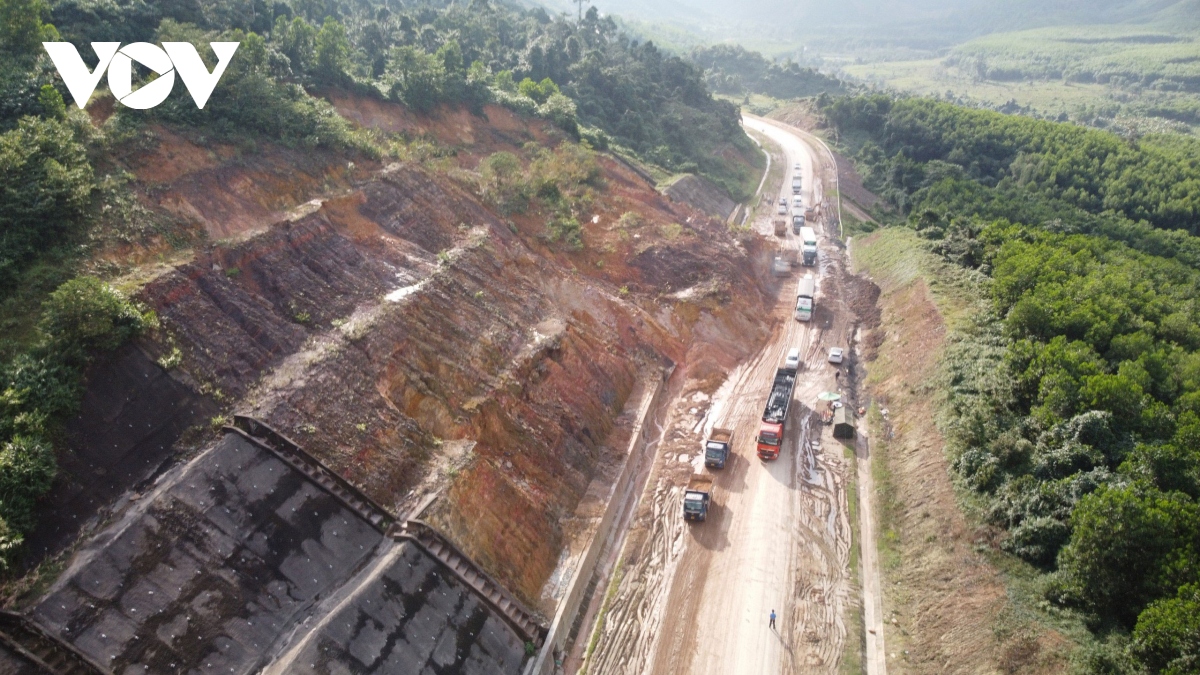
578	608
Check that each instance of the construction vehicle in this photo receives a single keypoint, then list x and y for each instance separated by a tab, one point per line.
781	224
697	496
770	433
780	266
808	245
717	447
810	214
806	293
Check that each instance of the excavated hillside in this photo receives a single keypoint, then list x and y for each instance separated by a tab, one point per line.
436	355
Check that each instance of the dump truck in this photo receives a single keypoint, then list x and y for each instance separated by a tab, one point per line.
717	447
797	184
697	497
810	214
797	223
780	227
780	266
805	293
770	433
808	245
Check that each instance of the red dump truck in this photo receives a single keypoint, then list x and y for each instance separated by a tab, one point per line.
770	433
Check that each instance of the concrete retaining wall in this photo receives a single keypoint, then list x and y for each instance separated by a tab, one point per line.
623	489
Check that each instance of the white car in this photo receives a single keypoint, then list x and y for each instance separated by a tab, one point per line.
792	362
782	209
798	203
835	354
796	167
783	201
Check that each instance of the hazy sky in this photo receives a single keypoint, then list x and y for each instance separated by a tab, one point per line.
923	24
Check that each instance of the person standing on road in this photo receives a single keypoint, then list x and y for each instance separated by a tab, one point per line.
772	626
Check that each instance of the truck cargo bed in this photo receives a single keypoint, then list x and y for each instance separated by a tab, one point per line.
781	396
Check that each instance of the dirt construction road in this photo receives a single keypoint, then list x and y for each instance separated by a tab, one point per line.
695	598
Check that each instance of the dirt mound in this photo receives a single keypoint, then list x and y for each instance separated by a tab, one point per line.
863	297
472	136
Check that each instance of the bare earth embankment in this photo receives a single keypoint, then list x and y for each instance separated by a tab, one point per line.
947	606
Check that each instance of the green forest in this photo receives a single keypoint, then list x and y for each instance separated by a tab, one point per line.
61	194
733	70
1073	406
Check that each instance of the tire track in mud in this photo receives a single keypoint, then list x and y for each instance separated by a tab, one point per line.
637	607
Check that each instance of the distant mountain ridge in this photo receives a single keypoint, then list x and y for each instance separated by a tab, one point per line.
920	24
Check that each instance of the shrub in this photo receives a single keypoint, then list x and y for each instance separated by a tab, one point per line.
595	138
1167	637
27	470
415	78
561	111
85	315
45	192
332	52
567	230
540	92
36	390
1127	548
518	103
630	220
504	183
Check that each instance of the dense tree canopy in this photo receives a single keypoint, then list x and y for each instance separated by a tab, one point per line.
916	143
1075	408
732	69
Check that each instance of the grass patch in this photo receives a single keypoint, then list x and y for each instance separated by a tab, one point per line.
899	256
763	202
888	508
1130	78
852	226
853	657
613	585
759	104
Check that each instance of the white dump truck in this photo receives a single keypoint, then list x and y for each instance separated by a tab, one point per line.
804	298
